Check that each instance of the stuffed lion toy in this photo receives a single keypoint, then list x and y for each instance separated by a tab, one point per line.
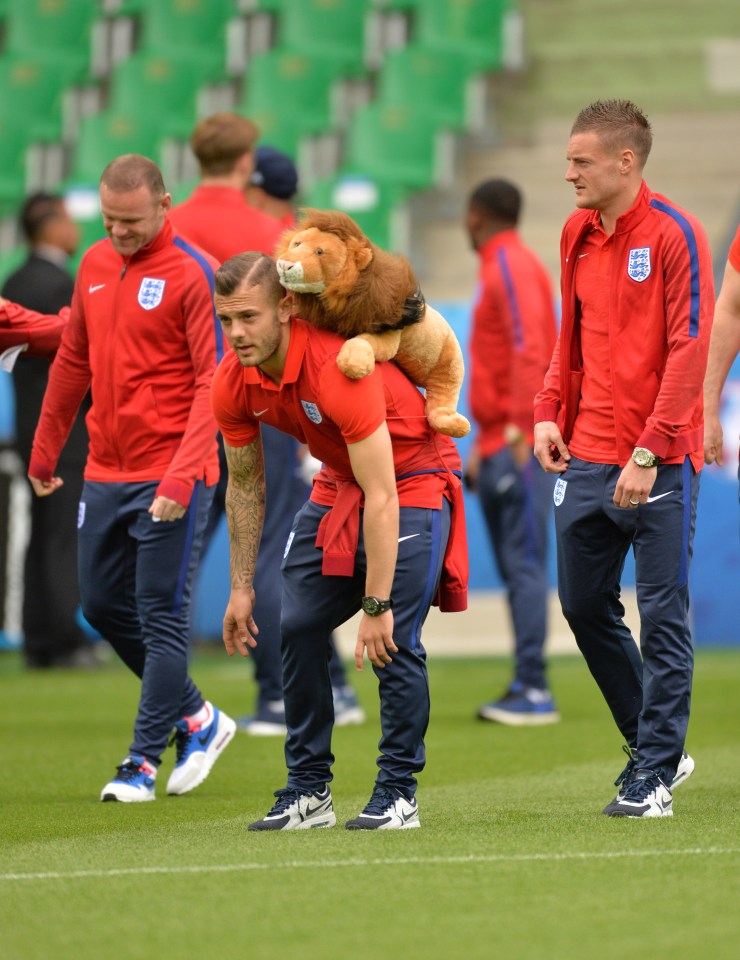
340	281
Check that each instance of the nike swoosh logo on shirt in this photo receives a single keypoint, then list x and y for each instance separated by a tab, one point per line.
582	255
92	289
659	497
408	537
258	413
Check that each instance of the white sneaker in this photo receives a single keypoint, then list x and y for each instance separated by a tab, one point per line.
387	810
133	782
298	810
198	745
644	795
684	770
347	709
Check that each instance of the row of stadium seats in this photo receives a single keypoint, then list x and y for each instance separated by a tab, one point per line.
295	91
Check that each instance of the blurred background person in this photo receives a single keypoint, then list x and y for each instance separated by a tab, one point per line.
512	339
219	217
52	633
274	184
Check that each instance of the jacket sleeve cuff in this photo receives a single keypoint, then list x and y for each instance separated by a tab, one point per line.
546	411
655	443
176	490
40	470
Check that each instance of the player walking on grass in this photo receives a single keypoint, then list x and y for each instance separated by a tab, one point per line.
620	419
143	336
382	532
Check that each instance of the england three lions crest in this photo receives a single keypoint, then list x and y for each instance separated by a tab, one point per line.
638	265
151	292
312	411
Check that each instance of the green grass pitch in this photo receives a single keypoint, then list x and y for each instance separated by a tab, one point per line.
513	859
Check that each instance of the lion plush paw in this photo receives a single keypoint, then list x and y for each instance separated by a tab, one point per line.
448	421
356	358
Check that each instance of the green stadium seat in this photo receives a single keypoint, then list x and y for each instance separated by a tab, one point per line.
331	29
106	135
163	86
34	88
396	144
377	208
13	146
195	27
61	29
288	95
471	27
437	83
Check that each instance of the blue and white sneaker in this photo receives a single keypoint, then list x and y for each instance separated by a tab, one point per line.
644	795
521	706
387	810
298	810
198	745
347	709
133	782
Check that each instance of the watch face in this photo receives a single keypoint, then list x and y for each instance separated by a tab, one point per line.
371	606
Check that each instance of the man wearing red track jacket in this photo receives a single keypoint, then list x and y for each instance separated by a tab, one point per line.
513	335
143	336
620	418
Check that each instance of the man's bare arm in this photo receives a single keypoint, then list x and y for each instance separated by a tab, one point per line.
245	512
723	348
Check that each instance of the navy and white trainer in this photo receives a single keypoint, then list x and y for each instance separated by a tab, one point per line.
133	782
199	745
643	795
298	810
683	771
387	810
521	706
268	721
347	709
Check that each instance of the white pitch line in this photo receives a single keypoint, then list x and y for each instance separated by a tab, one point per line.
379	862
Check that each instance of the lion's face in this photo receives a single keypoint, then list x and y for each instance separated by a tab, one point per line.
316	260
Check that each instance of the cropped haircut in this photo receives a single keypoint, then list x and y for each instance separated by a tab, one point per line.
497	200
132	171
619	124
253	268
37	211
220	140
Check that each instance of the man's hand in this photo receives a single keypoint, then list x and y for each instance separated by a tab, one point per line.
713	439
550	448
375	635
163	508
472	469
634	485
43	488
239	625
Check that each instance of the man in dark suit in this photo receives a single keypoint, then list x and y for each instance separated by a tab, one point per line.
52	635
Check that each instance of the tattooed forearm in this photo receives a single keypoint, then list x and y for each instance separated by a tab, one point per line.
245	509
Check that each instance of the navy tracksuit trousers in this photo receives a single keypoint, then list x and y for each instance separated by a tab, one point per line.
136	580
517	506
648	690
314	605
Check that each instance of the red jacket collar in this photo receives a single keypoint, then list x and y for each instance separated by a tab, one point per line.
162	240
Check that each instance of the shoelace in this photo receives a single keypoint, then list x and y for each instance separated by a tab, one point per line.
128	771
285	798
180	736
625	775
379	802
640	787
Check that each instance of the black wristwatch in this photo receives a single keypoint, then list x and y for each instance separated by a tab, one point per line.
374	607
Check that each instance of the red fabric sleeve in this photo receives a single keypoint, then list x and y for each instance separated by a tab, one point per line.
227	402
42	332
200	432
357	407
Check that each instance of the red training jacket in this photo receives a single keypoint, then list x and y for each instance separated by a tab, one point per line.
660	318
143	335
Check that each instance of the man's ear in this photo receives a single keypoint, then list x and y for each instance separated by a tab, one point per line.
286	306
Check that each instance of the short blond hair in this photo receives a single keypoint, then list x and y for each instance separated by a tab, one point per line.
132	171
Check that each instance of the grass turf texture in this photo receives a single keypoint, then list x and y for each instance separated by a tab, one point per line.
513	855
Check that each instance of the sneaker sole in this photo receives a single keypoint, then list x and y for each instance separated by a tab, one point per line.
682	775
224	738
517	719
259	728
112	797
413	825
350	718
318	823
